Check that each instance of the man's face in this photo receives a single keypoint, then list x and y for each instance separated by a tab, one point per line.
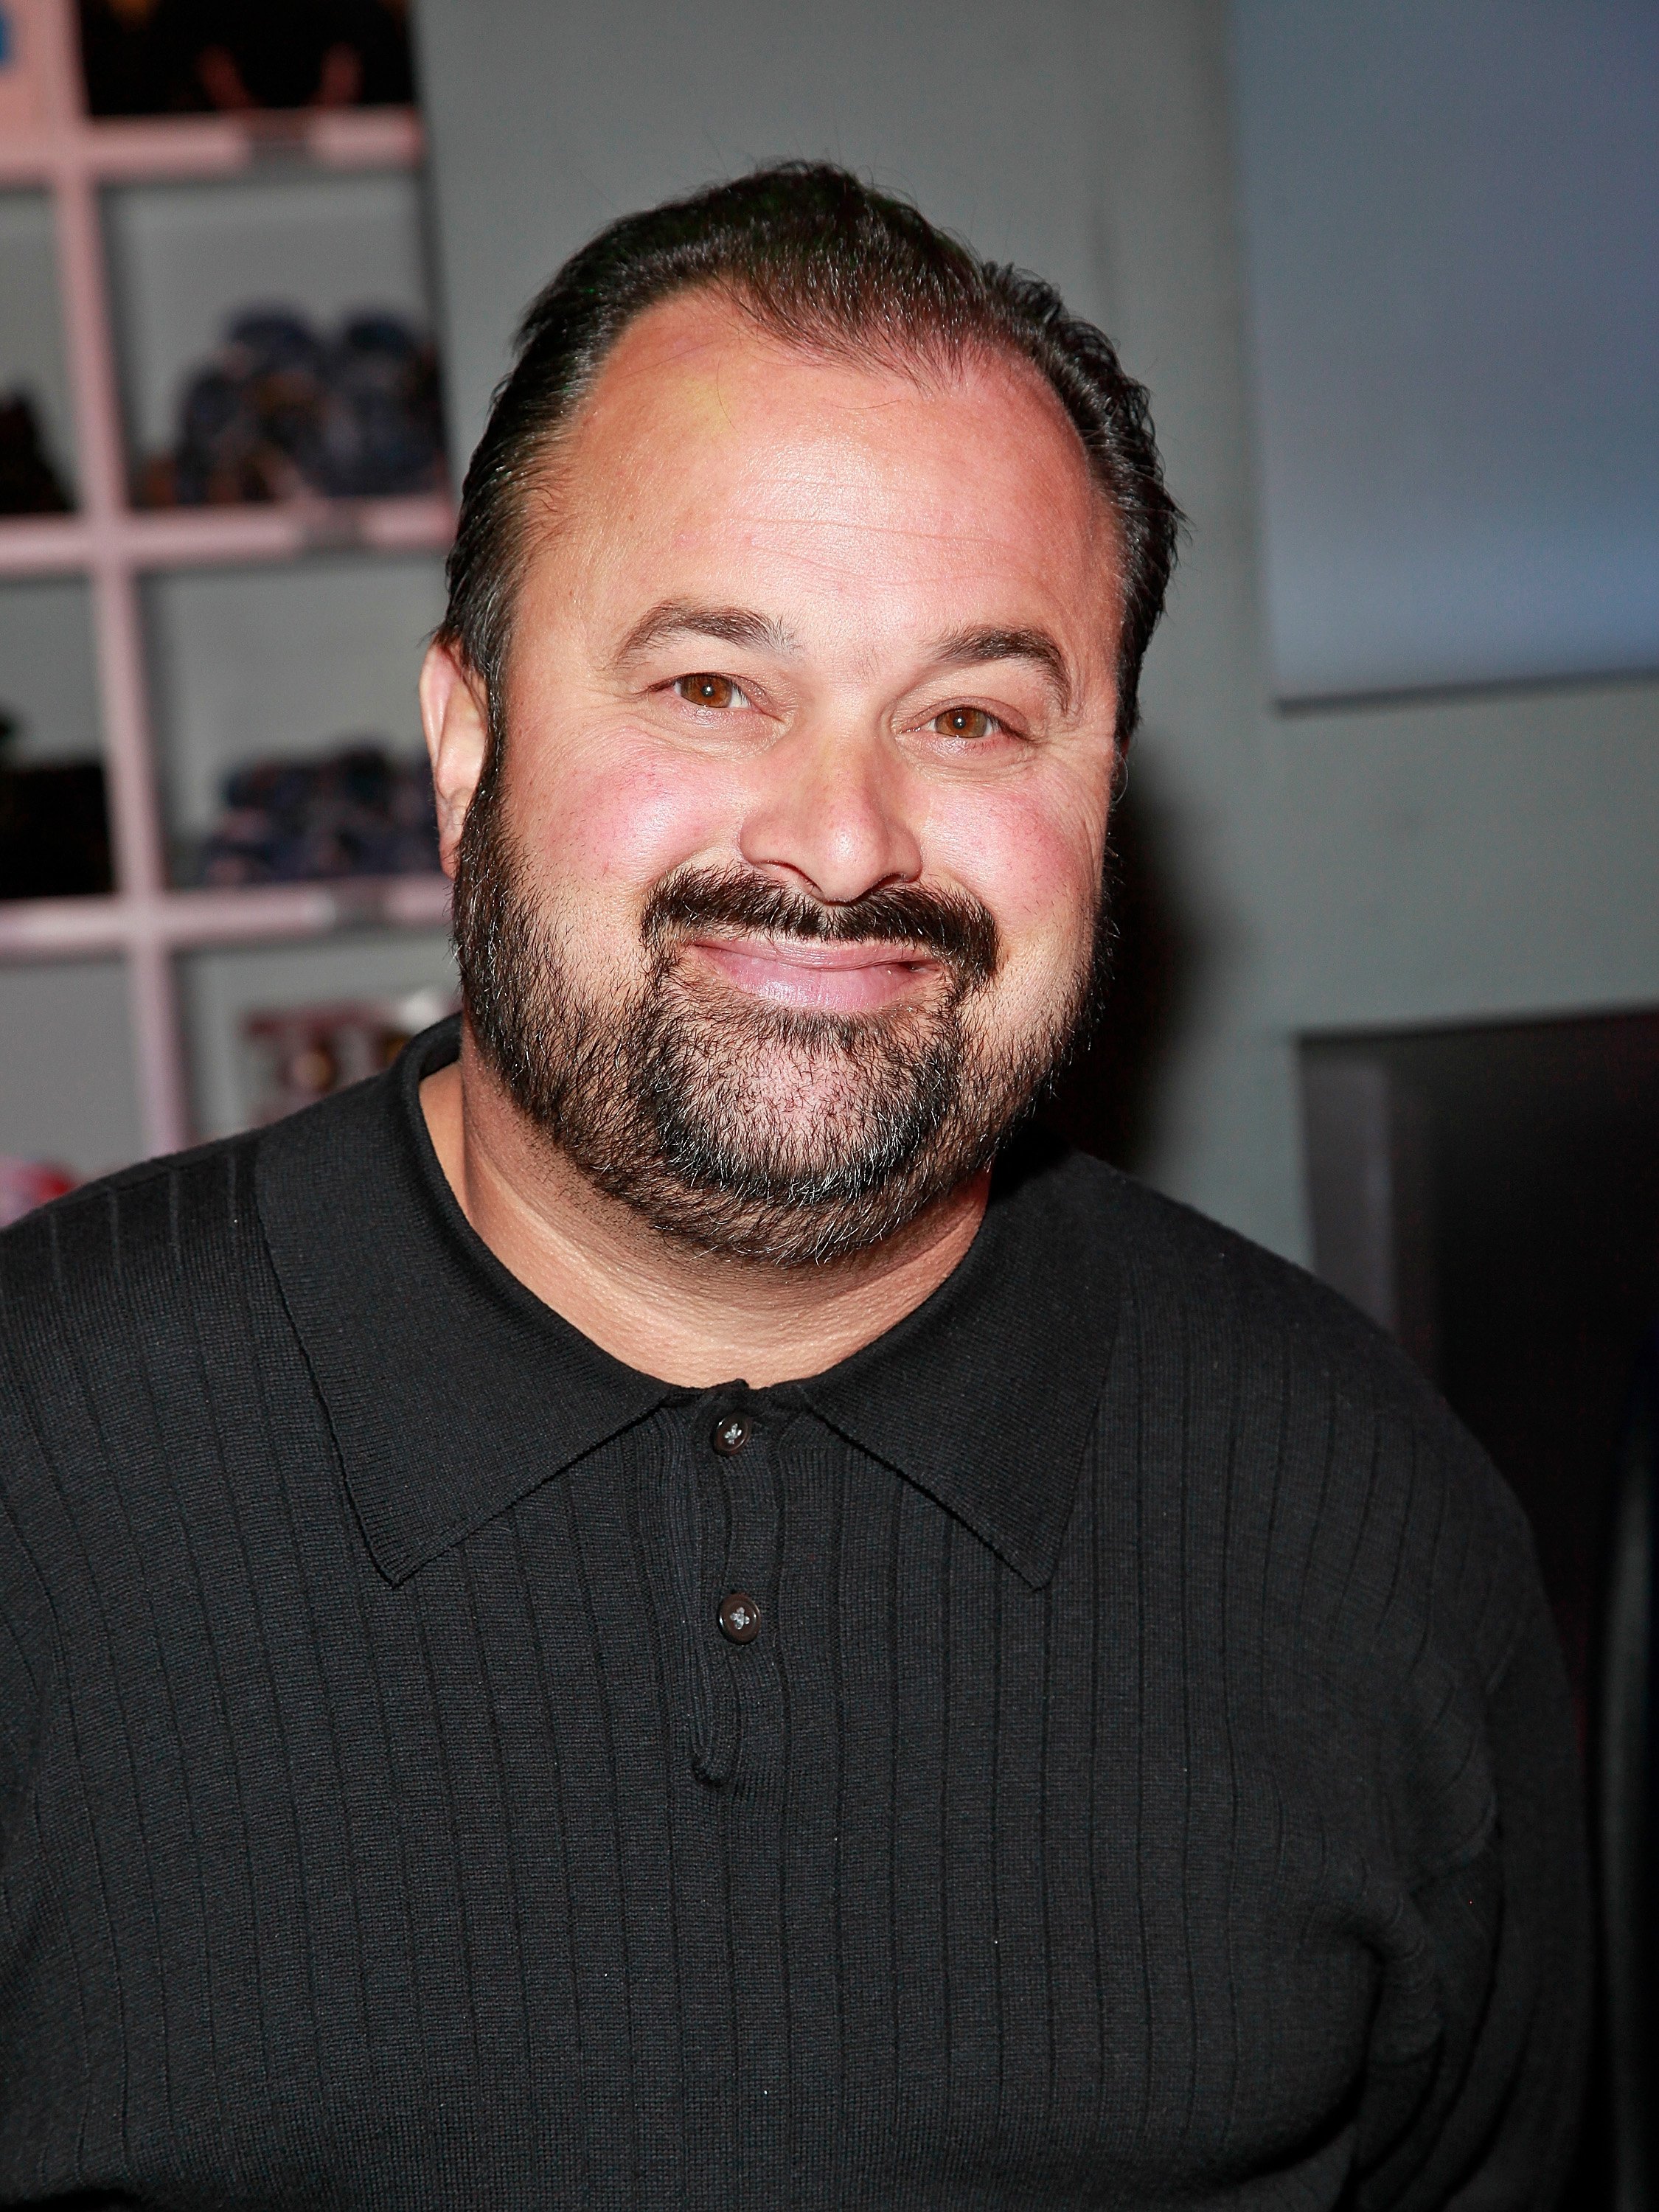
786	900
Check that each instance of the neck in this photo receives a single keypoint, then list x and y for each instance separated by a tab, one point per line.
690	1317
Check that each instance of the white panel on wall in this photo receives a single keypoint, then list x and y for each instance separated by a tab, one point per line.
1451	212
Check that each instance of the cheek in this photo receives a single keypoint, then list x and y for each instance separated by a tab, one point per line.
596	813
1034	856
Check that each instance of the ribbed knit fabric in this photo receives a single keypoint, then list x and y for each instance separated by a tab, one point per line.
1150	1784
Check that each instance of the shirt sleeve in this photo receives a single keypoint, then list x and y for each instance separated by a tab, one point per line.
1497	2121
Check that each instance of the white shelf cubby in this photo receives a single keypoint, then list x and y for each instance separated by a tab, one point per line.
125	243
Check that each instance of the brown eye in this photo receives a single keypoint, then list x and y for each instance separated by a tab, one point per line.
965	722
710	692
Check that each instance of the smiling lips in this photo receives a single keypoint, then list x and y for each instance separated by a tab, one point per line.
819	976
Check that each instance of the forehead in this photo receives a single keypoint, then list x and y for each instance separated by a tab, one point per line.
706	440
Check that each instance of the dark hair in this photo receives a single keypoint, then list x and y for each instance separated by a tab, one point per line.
827	262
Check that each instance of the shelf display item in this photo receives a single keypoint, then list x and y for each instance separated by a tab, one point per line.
302	1054
282	411
25	1184
29	484
358	812
54	830
172	57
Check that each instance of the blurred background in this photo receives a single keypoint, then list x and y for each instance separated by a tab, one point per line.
1389	983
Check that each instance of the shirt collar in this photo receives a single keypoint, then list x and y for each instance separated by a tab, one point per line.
452	1391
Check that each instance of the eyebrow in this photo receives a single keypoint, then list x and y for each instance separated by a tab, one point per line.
964	648
743	626
673	618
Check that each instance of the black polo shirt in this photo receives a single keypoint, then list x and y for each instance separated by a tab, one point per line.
1101	1743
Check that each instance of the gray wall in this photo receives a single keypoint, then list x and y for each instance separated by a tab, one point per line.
1438	861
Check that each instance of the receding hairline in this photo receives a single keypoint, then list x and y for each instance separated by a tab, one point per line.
923	354
825	263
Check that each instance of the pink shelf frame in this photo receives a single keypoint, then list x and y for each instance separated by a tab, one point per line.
144	922
182	921
200	537
174	148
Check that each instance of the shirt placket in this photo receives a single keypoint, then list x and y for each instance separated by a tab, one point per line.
725	1552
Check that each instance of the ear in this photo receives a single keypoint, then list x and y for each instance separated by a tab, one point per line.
457	726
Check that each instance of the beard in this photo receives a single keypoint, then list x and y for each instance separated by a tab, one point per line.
736	1127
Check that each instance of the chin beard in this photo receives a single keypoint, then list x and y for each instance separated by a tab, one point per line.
759	1132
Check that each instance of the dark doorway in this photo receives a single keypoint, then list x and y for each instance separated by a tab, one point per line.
1491	1196
1500	1186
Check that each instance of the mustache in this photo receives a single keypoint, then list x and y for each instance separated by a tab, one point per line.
951	925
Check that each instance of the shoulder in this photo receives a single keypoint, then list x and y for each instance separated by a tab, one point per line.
112	1297
1370	1565
154	1221
1184	1276
107	1298
147	1358
142	1304
99	1326
64	1259
1182	1263
1329	1436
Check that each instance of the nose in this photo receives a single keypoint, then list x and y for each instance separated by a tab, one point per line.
828	815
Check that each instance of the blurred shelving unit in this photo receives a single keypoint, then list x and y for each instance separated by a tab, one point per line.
49	145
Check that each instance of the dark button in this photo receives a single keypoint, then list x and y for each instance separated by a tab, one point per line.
731	1434
740	1617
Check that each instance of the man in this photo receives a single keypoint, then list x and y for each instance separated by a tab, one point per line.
612	1618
